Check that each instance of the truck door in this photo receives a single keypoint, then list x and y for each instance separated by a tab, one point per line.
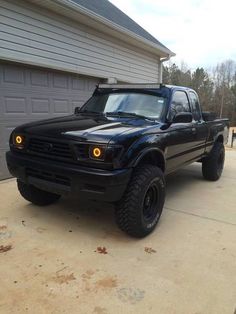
180	137
199	125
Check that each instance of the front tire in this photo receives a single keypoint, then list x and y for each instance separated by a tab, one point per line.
140	208
36	195
212	166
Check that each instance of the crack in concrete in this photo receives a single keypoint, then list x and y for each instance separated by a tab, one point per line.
200	216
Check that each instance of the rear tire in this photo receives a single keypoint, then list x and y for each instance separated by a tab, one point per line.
212	166
140	208
36	195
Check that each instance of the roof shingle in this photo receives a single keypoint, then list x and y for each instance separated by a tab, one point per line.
109	11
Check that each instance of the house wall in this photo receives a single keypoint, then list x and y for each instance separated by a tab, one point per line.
33	35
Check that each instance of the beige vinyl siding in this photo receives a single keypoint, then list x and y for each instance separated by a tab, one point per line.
32	35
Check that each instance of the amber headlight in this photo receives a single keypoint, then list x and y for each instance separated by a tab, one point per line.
97	152
18	141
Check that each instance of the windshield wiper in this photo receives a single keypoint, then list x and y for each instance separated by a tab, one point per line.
127	114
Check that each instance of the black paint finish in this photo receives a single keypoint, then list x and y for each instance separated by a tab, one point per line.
126	140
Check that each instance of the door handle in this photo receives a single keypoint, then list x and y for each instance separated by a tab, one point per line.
194	130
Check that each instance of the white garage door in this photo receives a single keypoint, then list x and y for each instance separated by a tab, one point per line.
28	94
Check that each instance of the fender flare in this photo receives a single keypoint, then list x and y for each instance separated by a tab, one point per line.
146	151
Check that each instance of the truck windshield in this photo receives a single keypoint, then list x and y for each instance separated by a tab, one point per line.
146	105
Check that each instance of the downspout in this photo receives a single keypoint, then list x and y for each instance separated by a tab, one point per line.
160	68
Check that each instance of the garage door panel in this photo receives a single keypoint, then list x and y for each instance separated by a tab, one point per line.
14	106
78	84
76	103
39	78
31	94
62	106
42	91
60	81
40	105
12	74
6	135
5	131
92	84
4	174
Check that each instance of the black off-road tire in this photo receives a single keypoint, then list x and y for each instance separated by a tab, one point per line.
212	166
35	195
132	212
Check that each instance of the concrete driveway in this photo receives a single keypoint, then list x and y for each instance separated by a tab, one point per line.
71	257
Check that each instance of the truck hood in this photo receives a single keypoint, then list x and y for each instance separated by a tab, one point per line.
85	128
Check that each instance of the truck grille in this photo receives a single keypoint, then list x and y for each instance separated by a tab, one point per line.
48	176
50	148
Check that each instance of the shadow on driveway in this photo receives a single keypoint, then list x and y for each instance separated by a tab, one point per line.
97	218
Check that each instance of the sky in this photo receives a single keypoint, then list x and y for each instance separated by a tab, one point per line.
200	32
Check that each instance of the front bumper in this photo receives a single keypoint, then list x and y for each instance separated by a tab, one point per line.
63	178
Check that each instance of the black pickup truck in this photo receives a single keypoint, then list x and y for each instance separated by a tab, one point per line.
118	148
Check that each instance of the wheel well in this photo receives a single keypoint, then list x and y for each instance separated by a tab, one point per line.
152	158
220	139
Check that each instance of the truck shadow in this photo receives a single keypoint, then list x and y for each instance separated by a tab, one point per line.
96	219
186	177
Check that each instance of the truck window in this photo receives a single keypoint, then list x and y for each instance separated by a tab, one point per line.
179	103
144	104
195	106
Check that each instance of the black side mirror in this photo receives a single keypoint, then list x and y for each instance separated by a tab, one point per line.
77	110
183	117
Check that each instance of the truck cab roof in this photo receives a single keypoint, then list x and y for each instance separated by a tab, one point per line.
142	87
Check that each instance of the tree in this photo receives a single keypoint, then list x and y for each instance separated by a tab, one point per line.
216	88
224	74
172	74
203	85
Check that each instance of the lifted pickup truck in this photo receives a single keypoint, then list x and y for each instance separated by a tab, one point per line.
118	148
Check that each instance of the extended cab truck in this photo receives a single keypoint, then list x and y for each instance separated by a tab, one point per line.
118	147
